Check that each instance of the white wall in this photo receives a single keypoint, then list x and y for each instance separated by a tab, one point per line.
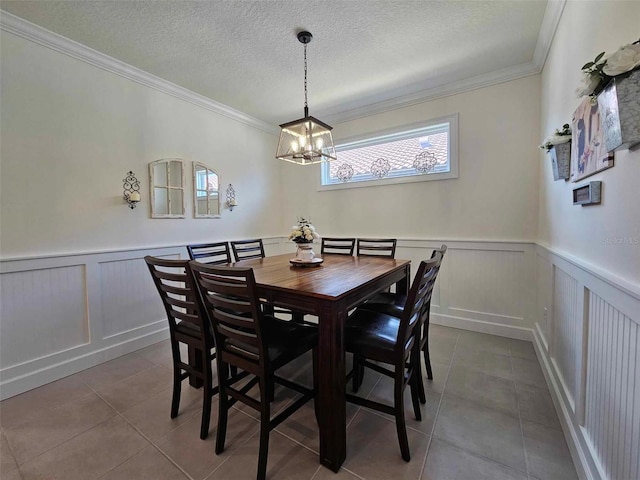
587	312
494	198
607	236
71	131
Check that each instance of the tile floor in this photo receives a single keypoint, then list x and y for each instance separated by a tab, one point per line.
489	416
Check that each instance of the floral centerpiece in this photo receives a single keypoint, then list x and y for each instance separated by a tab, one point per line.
597	74
558	138
304	233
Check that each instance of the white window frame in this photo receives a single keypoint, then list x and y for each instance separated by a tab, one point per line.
389	135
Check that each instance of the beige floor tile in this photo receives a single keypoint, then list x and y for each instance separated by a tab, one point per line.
482	431
484	361
115	370
373	451
447	462
440	373
88	455
441	349
303	428
49	428
528	372
383	393
547	453
7	461
197	457
126	393
537	406
11	475
443	331
286	460
484	389
324	473
522	349
483	341
149	464
20	408
153	415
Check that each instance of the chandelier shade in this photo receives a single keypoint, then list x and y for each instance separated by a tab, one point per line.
307	140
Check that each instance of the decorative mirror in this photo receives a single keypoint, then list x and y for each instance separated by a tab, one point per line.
206	192
166	178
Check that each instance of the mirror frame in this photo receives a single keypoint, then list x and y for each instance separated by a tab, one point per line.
152	188
195	192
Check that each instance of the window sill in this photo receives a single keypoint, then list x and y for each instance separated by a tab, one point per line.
389	181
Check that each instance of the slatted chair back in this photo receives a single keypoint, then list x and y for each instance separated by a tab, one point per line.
178	295
247	249
376	247
210	253
229	299
338	246
414	309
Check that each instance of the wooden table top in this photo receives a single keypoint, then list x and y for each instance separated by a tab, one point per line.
335	277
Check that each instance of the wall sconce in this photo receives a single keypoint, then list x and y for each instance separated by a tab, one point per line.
131	187
231	198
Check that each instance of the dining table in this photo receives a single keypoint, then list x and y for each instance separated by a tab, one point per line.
328	290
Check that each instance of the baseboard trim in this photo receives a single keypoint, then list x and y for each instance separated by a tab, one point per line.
31	380
481	326
572	436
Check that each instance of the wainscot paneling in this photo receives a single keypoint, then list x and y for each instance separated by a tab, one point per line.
88	308
482	286
592	363
65	313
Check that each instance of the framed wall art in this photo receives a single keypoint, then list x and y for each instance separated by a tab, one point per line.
588	151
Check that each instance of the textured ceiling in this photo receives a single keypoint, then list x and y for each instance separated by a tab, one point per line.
244	53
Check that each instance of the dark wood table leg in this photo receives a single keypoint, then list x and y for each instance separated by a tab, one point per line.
403	285
331	395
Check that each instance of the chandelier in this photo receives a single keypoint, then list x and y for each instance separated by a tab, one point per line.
308	140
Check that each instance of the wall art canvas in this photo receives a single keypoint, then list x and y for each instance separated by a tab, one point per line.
588	151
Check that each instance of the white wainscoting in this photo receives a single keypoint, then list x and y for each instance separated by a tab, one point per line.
587	337
482	286
66	313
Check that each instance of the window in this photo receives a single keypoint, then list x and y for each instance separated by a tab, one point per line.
427	151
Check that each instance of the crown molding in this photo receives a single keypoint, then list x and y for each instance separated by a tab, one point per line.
468	84
29	31
550	21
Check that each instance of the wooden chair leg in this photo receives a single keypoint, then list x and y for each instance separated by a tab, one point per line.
422	396
415	396
177	386
358	372
316	383
223	374
206	403
427	361
264	429
401	427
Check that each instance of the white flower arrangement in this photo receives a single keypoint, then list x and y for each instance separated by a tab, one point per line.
598	75
303	232
558	138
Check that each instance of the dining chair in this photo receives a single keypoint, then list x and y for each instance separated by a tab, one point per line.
337	246
247	249
393	304
186	325
382	338
250	340
210	253
372	247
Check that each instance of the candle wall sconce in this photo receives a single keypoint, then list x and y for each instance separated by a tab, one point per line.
231	198
131	190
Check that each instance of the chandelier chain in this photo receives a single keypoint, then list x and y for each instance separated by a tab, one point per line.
306	105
